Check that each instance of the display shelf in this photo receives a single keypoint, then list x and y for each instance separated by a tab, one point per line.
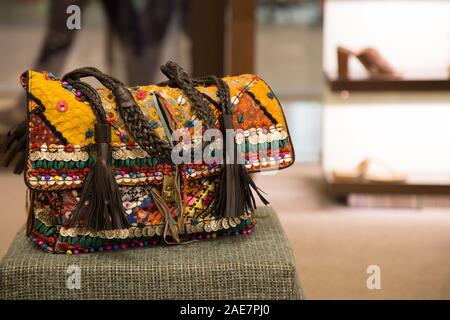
336	85
401	121
340	188
418	52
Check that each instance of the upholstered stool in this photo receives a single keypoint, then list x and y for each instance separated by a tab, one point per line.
259	266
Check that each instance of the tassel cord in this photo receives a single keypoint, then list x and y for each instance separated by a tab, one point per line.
235	192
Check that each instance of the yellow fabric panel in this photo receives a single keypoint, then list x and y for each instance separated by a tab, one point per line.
78	118
72	123
260	89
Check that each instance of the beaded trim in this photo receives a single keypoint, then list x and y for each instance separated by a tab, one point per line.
67	153
71	245
154	177
213	225
262	136
77	160
132	178
194	226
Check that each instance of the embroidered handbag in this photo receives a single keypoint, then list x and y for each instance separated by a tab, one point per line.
103	166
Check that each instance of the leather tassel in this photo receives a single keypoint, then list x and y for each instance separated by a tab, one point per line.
171	227
179	200
15	145
235	195
31	195
100	204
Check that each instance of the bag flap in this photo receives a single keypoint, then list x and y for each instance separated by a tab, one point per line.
61	127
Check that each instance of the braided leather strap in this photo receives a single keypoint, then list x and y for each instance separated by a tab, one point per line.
200	105
132	116
138	126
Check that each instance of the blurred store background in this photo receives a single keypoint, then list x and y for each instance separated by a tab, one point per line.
366	91
281	41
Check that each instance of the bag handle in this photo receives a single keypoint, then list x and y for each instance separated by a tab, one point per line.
132	115
130	112
177	75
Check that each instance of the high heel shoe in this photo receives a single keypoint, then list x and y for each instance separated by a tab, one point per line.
372	61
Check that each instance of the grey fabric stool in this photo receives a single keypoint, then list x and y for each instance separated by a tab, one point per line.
260	266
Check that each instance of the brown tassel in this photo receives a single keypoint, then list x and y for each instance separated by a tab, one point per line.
15	145
179	200
100	203
235	196
31	195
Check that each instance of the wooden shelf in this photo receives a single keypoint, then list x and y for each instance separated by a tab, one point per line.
337	85
344	188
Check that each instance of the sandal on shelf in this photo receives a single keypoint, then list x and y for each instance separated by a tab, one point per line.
365	172
372	61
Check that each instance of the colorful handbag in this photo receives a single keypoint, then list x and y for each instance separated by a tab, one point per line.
116	168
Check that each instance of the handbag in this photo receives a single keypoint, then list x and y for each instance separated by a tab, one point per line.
116	167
